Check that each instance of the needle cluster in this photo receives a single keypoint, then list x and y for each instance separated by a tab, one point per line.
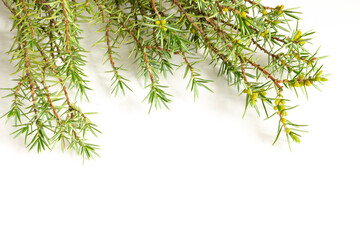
254	46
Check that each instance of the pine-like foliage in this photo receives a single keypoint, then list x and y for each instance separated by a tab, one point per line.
236	35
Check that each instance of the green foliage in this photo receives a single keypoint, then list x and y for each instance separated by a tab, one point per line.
235	35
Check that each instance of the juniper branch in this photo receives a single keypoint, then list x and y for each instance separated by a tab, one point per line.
49	58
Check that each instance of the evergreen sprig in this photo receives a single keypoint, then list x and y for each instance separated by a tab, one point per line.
235	35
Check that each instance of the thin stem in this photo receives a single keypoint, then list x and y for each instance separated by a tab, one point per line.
267	74
29	78
9	7
257	4
155	9
66	22
27	17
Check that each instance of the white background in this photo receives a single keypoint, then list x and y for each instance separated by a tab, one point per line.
198	171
